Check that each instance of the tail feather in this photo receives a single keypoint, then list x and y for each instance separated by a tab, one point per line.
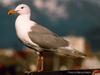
69	51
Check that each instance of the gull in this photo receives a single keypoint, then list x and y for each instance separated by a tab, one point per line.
38	37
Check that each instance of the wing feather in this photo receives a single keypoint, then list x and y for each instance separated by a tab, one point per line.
46	38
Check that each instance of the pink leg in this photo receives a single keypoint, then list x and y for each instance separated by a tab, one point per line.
40	63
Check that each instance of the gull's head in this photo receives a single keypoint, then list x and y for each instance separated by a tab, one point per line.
20	9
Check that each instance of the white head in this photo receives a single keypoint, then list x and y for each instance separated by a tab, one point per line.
21	9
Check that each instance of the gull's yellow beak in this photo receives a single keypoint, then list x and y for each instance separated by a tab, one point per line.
10	12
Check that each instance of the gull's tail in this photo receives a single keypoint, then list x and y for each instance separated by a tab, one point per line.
69	51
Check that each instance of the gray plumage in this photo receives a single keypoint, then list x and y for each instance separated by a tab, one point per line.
45	38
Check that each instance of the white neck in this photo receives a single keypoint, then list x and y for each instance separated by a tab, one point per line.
25	16
22	19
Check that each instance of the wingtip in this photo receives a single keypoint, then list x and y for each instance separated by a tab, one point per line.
80	54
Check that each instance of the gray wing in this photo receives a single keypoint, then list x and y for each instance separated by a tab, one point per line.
46	38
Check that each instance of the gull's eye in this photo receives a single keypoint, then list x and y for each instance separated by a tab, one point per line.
22	7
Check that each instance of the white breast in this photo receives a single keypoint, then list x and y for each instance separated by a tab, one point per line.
23	26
